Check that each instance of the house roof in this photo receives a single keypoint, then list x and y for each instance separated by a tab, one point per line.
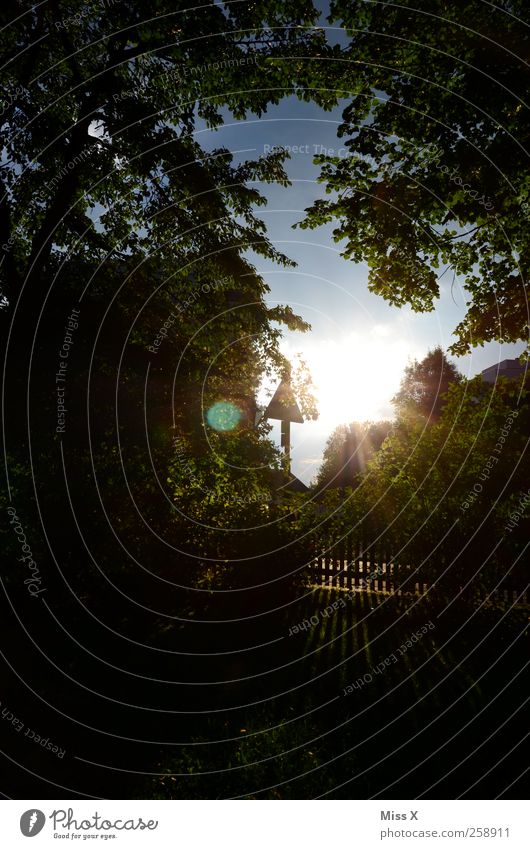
506	368
283	405
289	484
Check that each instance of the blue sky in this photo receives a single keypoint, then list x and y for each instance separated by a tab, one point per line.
359	345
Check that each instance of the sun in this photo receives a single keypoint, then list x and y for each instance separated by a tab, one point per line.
356	375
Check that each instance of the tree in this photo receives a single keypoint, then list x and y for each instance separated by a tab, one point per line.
347	452
424	386
99	115
436	166
452	499
109	204
104	190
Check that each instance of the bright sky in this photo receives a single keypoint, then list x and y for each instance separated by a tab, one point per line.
359	345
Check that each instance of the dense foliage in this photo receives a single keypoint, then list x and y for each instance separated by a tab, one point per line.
436	175
450	497
348	451
110	207
424	385
150	559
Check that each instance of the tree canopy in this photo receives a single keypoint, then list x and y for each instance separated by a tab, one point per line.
109	204
424	386
450	499
97	123
347	452
436	175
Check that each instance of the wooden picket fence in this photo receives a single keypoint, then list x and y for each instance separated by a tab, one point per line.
354	567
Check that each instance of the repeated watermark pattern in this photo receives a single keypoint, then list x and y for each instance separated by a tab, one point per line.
306	150
433	154
148	86
392	658
324	613
60	376
110	71
185	463
517	514
50	185
34	582
87	12
182	306
18	725
11	98
8	246
190	70
249	498
490	463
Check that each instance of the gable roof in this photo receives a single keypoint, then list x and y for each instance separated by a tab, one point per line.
283	405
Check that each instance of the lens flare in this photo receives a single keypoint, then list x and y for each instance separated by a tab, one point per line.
223	416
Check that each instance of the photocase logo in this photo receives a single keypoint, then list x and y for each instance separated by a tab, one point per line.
32	822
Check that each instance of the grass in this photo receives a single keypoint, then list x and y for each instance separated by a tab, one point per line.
416	728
